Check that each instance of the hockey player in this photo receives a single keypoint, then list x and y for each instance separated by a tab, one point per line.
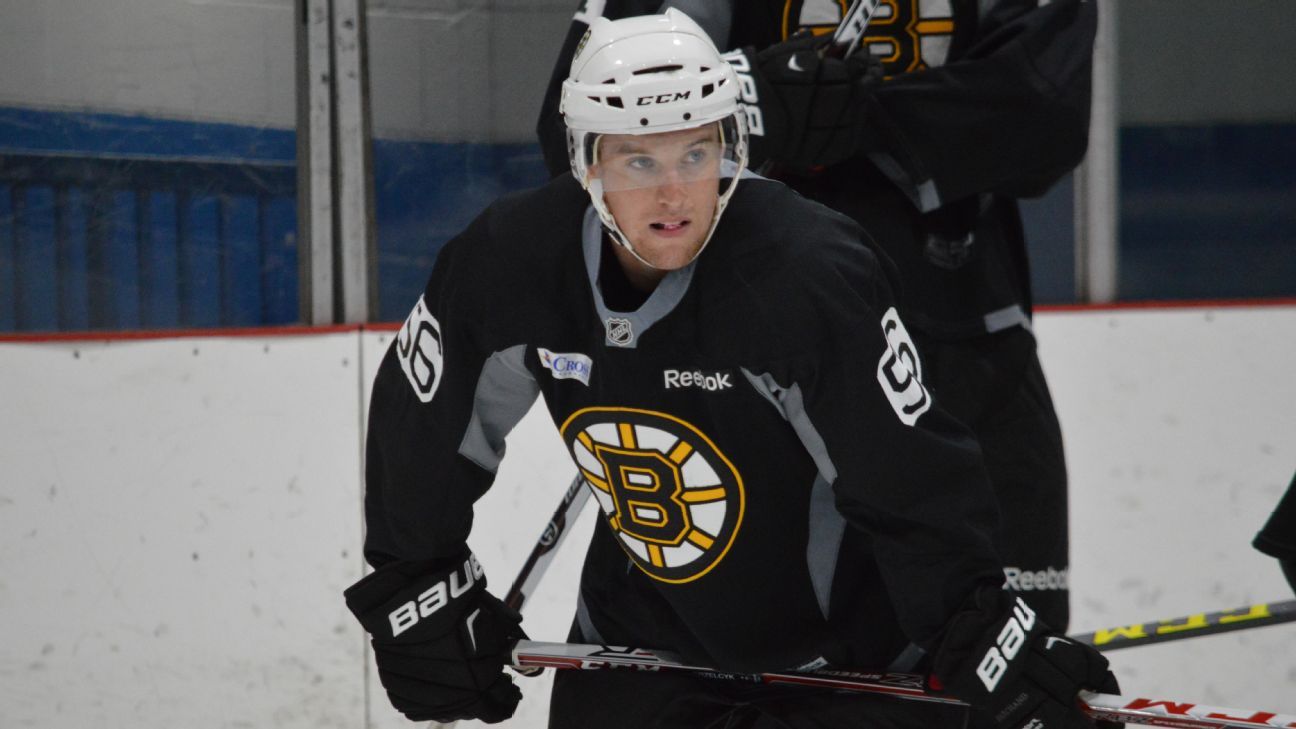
724	361
1278	537
983	101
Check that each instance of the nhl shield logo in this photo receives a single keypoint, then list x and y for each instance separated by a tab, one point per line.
619	331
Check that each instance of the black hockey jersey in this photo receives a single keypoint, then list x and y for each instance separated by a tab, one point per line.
776	485
984	102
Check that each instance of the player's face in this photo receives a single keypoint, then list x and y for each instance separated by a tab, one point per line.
662	189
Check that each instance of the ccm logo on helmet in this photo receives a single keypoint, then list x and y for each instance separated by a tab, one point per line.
1010	641
662	98
435	597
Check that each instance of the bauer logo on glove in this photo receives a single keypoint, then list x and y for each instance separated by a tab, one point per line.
436	597
1009	643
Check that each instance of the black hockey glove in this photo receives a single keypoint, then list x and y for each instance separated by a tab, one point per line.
440	640
1014	670
804	111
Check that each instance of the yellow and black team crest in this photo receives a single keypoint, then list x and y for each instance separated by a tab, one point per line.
674	501
905	35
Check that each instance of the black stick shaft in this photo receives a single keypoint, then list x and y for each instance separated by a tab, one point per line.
543	552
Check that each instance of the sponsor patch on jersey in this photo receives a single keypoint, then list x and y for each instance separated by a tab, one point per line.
673	500
620	332
900	371
418	347
566	365
714	381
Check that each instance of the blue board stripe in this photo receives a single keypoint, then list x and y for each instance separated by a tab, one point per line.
111	220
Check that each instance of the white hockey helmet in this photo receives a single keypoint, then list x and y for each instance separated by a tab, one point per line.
647	75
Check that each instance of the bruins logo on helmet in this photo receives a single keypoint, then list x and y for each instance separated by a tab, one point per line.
674	501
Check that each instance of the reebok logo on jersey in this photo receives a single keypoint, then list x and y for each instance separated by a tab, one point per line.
566	365
1019	580
418	347
900	372
709	381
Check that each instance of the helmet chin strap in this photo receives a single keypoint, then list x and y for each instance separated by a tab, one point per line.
595	189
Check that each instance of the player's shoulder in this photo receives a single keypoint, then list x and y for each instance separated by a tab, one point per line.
519	248
550	202
523	229
793	243
538	214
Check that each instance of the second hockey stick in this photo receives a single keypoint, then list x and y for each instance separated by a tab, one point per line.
543	552
1191	626
850	31
905	686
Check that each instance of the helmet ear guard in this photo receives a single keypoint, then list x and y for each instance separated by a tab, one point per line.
650	75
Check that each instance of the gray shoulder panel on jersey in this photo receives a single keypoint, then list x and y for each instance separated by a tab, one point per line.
715	17
505	392
787	400
663	299
589	633
827	525
1007	318
907	660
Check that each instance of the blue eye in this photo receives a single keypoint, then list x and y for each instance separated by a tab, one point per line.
642	164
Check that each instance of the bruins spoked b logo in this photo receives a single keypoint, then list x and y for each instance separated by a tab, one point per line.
672	498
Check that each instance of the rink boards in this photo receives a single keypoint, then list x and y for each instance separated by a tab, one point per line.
179	516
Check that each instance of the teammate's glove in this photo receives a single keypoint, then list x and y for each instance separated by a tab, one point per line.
440	640
1015	671
809	109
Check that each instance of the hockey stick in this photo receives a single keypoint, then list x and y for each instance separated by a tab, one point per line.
543	553
1191	626
906	686
850	31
